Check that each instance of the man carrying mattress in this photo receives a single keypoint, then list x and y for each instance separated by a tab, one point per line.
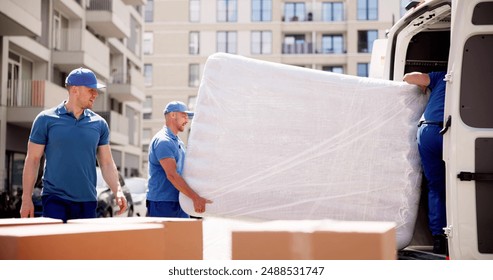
166	160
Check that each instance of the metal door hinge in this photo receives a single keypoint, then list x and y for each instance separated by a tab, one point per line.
448	231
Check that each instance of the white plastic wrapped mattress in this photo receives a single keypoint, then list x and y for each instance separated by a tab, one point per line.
277	142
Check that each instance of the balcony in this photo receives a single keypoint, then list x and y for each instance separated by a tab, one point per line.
20	18
81	48
27	98
118	127
127	87
109	18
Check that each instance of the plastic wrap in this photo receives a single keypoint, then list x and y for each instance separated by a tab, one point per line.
276	142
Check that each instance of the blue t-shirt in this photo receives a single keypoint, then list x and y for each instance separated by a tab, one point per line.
70	151
435	107
165	144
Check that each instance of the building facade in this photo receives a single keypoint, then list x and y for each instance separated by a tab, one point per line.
328	35
41	41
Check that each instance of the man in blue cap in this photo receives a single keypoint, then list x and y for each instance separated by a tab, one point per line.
72	137
166	158
430	145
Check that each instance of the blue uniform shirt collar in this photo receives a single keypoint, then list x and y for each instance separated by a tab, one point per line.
170	133
62	110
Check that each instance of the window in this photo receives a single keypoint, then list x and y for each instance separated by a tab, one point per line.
147	116
261	42
294	11
261	10
332	11
296	44
193	75
367	9
332	44
146	133
226	41
149	11
147	102
193	45
194	10
362	69
148	74
365	40
148	43
336	69
227	10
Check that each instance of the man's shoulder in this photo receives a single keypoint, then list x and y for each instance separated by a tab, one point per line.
48	113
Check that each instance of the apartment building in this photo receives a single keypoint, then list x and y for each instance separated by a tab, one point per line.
328	35
41	41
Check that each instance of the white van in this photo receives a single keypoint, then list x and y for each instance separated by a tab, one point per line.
454	36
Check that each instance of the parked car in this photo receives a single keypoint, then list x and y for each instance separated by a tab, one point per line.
138	190
107	206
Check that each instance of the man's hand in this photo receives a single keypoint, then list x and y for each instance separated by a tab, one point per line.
121	201
27	208
199	204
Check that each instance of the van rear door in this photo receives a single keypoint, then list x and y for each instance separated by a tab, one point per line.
468	141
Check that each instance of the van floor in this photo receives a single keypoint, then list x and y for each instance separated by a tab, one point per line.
419	253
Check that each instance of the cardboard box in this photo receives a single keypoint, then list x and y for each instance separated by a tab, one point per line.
83	242
30	221
310	240
183	238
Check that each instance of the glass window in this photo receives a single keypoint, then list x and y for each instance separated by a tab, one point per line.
294	11
194	10
149	11
147	102
226	41
193	75
261	42
146	133
332	11
148	43
367	9
362	69
332	44
227	10
148	74
261	10
296	44
336	69
193	45
365	40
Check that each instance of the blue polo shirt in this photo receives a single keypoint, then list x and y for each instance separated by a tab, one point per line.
435	107
70	151
165	144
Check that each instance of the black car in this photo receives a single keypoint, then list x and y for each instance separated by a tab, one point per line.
107	206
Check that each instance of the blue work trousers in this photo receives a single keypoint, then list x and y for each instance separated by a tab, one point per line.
430	144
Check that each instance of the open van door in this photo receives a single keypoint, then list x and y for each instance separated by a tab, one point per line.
468	133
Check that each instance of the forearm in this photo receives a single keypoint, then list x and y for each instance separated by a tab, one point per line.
29	176
110	176
182	186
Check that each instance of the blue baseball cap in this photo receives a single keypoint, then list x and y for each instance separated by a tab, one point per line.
83	77
177	106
